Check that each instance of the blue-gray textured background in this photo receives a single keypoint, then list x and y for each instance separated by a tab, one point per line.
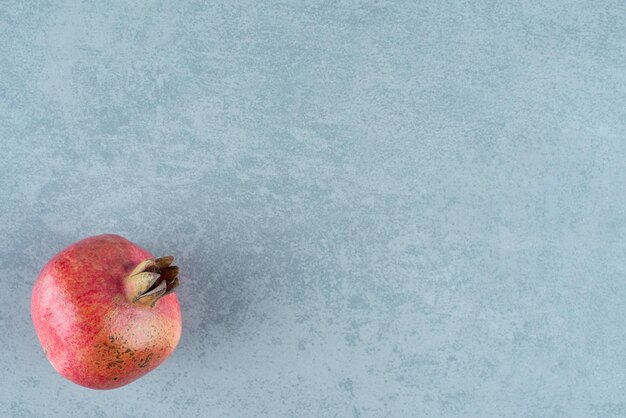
381	208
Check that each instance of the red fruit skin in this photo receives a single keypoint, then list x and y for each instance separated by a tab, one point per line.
88	329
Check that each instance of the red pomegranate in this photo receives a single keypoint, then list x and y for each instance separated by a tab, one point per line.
104	311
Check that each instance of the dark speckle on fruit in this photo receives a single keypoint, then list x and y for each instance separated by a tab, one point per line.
146	361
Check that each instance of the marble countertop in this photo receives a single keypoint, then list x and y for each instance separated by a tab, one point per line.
380	208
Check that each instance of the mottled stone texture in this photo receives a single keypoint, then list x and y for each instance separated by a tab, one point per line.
380	208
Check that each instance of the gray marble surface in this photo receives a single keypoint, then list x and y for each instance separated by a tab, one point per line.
380	208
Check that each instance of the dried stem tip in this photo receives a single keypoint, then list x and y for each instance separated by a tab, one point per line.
150	280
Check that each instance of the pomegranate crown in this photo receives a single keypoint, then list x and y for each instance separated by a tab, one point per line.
150	280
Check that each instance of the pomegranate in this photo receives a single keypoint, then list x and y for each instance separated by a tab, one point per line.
104	311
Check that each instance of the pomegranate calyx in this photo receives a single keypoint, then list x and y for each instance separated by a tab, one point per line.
150	280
